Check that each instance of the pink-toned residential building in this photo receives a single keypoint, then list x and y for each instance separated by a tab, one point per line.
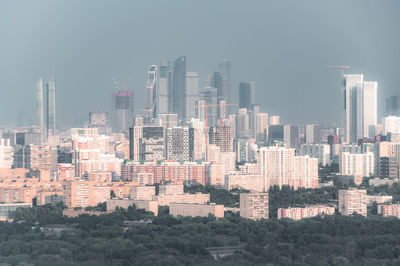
389	210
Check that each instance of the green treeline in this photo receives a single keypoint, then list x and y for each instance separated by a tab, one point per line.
42	236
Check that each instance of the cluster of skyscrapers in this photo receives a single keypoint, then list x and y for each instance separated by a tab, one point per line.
193	134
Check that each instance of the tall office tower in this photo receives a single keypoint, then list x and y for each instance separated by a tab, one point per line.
221	136
163	98
201	110
99	120
122	116
247	95
261	131
209	96
216	81
313	134
168	120
255	109
360	107
393	105
151	143
254	205
151	90
40	107
291	136
179	88
274	120
51	106
353	201
180	141
192	93
224	69
275	134
243	123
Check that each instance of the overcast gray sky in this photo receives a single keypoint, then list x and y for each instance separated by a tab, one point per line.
284	46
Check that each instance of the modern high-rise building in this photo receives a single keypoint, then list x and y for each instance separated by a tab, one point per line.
313	134
360	108
291	136
192	93
122	116
221	136
46	107
163	98
151	90
224	69
40	120
261	131
393	105
209	96
243	130
247	95
151	145
253	112
180	143
353	201
179	87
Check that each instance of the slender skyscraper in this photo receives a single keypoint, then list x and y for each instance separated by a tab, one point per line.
151	89
192	93
179	87
360	107
40	106
247	95
122	115
224	68
51	106
163	89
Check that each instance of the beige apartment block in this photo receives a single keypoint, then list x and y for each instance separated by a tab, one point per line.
194	210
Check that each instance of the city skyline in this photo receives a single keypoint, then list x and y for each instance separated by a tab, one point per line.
265	60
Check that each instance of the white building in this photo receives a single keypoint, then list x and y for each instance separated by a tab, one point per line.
6	154
279	166
357	164
360	107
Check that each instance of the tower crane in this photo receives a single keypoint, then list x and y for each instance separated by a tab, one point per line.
206	106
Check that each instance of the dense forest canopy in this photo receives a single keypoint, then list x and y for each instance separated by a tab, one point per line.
42	236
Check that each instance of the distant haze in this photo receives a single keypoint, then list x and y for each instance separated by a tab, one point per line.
283	46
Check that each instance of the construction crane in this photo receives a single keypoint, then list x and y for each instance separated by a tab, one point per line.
206	106
342	68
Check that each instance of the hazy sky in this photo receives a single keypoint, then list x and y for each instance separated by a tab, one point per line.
284	46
